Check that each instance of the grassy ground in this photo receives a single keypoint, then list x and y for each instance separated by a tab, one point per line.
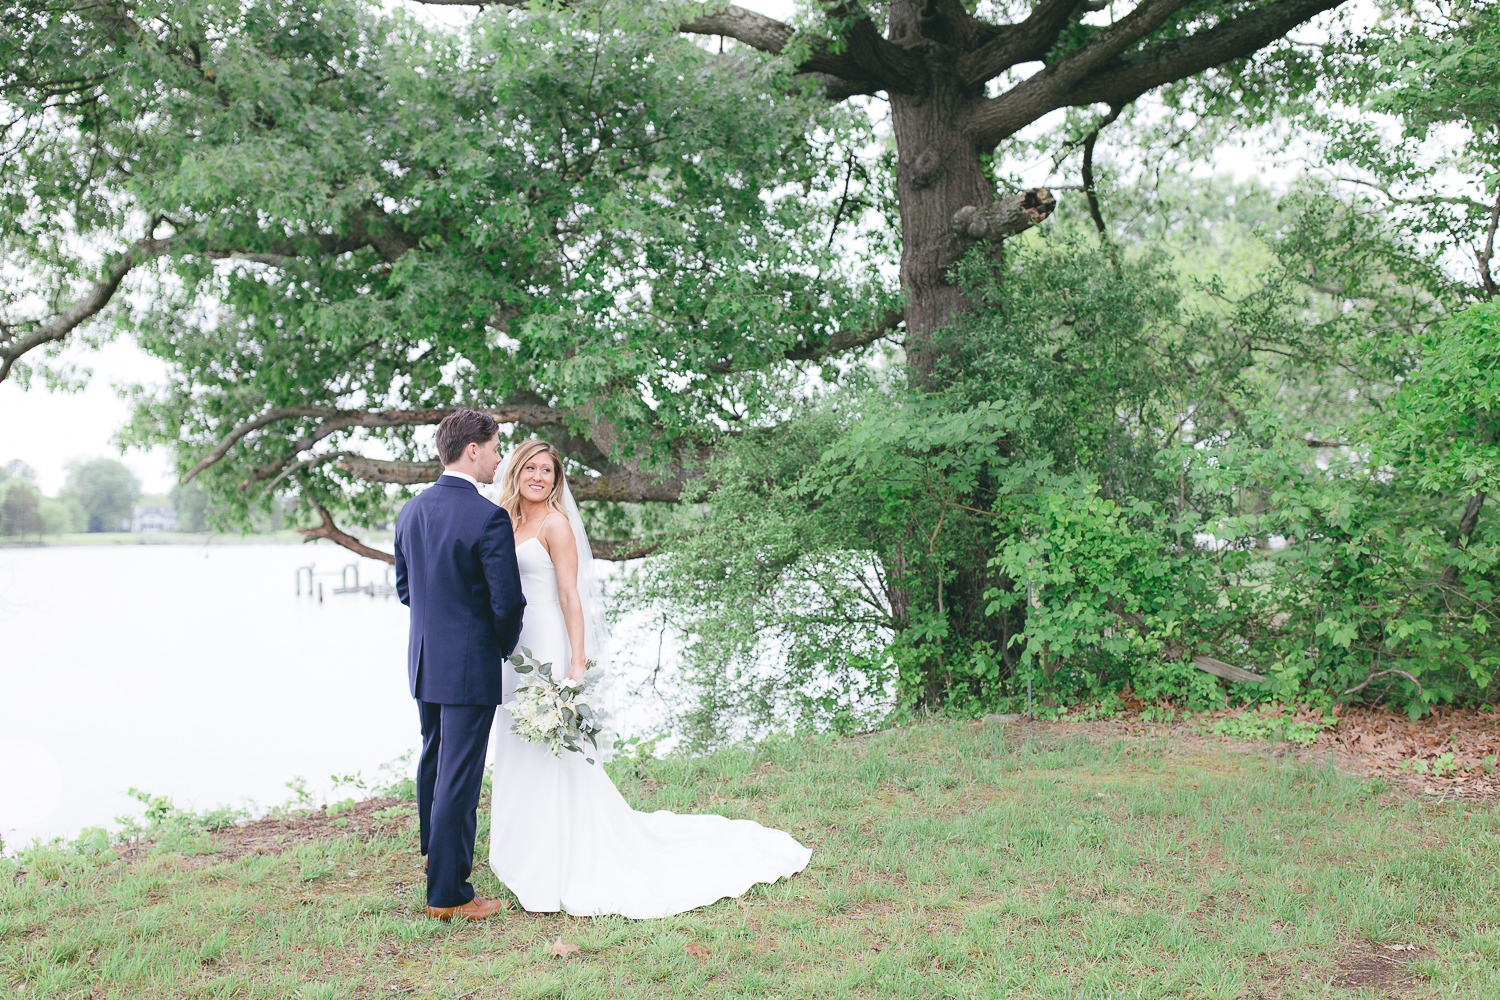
950	860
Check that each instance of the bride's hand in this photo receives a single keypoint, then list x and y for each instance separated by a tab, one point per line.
575	672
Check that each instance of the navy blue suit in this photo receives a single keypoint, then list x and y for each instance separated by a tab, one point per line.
456	570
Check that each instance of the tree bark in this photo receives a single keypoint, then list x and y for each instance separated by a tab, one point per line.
1467	522
938	172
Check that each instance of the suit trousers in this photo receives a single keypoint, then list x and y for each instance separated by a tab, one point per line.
449	778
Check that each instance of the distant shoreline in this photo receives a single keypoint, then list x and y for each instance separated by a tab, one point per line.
106	538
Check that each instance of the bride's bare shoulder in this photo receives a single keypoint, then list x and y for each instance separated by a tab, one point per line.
557	536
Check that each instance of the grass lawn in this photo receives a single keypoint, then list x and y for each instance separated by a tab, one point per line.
949	860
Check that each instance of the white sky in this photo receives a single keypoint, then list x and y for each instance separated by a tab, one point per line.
46	430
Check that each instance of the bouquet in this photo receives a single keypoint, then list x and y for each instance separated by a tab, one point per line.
557	714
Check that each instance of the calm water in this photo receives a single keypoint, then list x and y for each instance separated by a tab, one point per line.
194	671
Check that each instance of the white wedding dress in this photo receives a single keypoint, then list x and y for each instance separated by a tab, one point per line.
562	837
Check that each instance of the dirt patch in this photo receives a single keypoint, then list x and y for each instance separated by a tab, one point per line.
1452	753
1384	975
275	835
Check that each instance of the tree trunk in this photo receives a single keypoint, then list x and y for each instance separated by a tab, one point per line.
939	171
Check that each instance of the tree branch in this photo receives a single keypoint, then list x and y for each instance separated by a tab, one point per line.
619	485
841	341
1427	199
1046	90
997	220
307	463
616	481
331	531
611	551
276	260
1103	73
388	470
848	340
13	346
866	59
623	484
1466	525
388	240
1017	43
1175	59
1485	256
868	64
337	420
866	55
269	417
1382	673
755	30
622	551
1088	174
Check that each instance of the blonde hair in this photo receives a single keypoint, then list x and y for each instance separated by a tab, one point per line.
510	482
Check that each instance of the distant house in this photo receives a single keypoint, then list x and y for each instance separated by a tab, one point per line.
154	519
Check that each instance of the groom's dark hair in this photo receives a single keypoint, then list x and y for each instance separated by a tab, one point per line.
461	427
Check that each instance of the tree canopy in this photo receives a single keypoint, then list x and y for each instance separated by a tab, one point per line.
580	217
785	271
106	490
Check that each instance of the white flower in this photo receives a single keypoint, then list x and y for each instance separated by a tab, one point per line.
541	703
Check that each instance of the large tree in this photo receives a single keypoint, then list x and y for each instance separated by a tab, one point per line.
106	490
639	230
93	86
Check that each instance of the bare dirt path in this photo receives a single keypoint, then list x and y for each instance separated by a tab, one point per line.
1452	753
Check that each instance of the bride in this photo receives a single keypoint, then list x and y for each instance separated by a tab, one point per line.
561	835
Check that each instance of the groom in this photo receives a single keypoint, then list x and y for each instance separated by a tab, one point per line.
456	570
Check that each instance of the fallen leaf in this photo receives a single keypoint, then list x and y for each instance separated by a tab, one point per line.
562	949
697	950
1400	947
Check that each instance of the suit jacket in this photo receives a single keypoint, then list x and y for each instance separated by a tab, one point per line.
456	570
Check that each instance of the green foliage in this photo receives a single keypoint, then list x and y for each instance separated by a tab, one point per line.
24	510
1115	549
63	515
21	509
1444	423
106	491
1433	66
397	781
843	565
1389	564
1080	340
192	505
782	601
168	826
1380	577
575	208
1112	596
583	212
1272	721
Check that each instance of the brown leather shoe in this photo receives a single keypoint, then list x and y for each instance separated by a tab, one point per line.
474	909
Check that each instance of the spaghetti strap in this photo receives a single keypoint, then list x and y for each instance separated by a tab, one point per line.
538	534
